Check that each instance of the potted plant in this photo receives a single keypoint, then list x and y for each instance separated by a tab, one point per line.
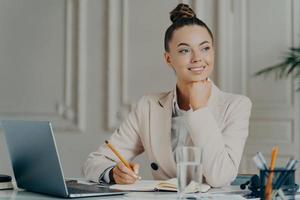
290	67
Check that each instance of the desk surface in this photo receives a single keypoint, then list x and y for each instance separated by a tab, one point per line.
20	194
25	195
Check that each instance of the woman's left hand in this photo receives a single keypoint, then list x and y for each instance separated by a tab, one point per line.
199	94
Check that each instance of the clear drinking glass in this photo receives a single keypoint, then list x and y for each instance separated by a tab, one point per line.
189	171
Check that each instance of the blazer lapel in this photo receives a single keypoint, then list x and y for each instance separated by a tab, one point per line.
160	133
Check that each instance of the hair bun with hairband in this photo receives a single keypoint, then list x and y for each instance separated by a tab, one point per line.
182	11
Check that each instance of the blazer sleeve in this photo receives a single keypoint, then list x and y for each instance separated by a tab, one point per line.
222	149
125	139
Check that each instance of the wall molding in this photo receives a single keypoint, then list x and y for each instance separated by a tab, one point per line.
232	19
276	118
72	110
68	115
288	102
225	41
117	99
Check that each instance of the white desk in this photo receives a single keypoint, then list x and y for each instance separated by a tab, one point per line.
24	195
19	194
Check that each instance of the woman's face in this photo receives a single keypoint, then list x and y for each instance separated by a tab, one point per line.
191	53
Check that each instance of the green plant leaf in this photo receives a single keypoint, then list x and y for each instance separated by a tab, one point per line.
289	67
293	67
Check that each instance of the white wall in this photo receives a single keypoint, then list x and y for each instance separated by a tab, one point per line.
34	55
254	35
83	63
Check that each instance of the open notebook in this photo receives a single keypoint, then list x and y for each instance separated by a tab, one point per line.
167	185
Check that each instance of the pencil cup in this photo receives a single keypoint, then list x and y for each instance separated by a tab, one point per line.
189	171
281	182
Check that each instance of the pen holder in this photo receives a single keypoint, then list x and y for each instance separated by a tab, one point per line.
282	179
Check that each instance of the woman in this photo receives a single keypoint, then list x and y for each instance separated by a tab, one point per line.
217	121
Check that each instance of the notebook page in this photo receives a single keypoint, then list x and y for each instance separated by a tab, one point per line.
151	185
141	185
171	184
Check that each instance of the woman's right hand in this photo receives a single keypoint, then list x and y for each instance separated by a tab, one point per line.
123	175
199	94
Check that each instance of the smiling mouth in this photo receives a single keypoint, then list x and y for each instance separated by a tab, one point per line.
197	69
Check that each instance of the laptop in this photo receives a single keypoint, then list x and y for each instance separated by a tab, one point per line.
36	164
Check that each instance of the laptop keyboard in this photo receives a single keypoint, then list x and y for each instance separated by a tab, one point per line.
79	188
73	190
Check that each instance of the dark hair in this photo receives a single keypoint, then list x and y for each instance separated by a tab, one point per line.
181	16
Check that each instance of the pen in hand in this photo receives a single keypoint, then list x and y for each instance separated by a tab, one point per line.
123	161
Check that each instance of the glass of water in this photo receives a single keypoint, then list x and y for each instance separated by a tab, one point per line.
189	171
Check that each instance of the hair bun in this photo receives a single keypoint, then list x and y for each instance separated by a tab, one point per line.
181	11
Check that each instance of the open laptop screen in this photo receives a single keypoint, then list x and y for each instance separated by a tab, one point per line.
34	157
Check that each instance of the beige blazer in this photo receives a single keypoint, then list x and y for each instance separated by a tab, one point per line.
221	129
